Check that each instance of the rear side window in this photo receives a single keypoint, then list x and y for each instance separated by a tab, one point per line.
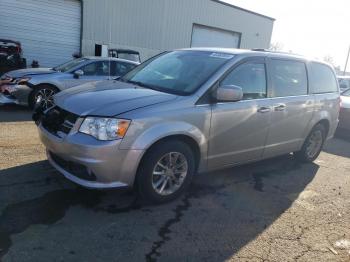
322	79
289	78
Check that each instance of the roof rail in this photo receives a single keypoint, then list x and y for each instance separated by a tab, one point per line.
261	50
275	52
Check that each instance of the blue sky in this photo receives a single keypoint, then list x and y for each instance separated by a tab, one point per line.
308	27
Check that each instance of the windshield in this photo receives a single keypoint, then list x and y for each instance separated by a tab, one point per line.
178	72
69	65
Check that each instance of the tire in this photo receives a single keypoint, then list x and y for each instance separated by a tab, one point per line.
158	156
309	152
41	90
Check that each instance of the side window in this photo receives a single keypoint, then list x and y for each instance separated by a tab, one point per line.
120	69
322	79
289	78
100	68
251	77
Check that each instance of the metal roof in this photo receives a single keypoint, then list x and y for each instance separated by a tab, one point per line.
243	9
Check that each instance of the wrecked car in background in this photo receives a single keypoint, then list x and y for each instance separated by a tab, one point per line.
11	56
40	84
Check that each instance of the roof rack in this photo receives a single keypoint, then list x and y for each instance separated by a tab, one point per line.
261	50
274	52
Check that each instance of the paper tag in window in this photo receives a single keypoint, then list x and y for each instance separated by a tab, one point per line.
222	55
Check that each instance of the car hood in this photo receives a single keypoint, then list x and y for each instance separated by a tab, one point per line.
30	72
108	98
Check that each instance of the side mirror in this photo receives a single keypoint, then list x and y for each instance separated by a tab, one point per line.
78	73
228	93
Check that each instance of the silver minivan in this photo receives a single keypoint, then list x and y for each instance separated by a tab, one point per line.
186	112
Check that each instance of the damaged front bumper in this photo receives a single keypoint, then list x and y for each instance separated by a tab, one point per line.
7	99
14	94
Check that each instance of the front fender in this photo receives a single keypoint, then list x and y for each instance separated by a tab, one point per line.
146	139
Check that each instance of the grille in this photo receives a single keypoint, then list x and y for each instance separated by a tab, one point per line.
73	168
58	120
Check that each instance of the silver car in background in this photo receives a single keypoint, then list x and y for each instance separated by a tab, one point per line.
190	111
344	82
29	85
344	115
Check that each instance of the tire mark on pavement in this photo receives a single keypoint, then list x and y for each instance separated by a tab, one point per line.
165	231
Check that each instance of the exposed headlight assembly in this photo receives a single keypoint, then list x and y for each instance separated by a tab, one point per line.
22	81
105	128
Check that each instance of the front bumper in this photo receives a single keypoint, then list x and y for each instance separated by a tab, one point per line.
89	162
14	94
6	100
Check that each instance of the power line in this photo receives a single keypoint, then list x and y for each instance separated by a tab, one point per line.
347	60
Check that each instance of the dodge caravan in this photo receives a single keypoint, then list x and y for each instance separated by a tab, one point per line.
189	111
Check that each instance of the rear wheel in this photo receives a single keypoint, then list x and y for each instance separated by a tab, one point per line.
313	144
166	171
43	95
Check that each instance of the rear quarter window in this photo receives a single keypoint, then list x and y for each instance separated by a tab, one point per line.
289	78
322	79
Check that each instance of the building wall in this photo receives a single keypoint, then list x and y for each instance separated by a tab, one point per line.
152	26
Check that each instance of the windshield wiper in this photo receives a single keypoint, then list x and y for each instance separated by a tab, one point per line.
138	83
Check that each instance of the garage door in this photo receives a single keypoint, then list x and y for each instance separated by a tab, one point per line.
48	30
204	36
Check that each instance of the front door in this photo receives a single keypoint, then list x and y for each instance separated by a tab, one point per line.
239	129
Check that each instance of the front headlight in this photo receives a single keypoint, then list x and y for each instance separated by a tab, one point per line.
105	128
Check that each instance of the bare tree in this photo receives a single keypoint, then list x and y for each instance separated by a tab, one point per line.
276	46
329	59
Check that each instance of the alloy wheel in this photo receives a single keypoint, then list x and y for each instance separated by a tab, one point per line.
169	173
314	143
45	98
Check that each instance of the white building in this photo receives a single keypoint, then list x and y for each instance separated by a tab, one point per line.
52	30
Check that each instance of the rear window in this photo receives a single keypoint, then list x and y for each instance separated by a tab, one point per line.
289	78
322	79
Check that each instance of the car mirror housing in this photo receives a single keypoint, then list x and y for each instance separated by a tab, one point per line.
78	73
228	93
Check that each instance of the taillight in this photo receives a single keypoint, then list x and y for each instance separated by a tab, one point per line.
340	102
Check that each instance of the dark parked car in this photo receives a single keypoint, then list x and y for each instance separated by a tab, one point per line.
11	56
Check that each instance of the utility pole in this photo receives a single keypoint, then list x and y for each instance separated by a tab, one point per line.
347	60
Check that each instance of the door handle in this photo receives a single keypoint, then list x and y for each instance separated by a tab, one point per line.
280	107
264	109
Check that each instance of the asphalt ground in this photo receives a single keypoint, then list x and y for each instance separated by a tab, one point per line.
274	210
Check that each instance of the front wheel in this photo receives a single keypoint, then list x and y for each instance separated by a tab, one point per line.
166	171
43	95
313	144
